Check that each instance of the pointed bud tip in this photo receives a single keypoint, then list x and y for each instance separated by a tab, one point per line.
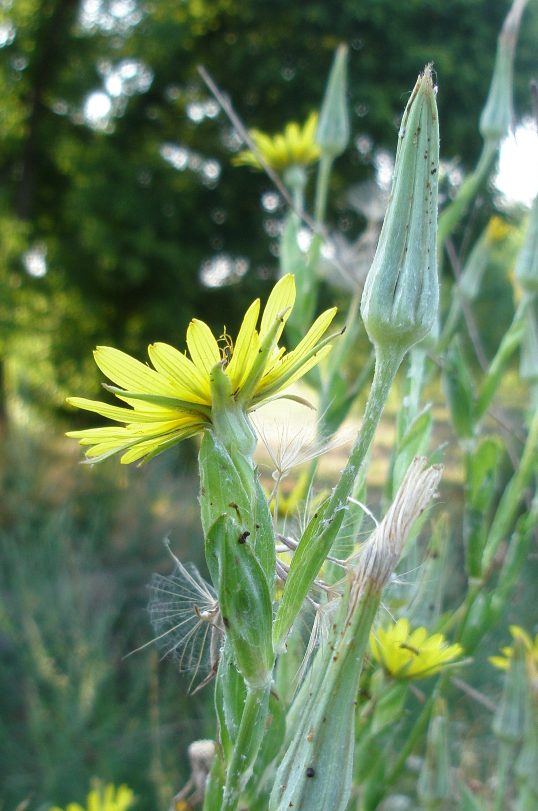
426	83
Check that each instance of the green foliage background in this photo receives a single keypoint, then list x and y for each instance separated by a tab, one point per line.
124	231
125	235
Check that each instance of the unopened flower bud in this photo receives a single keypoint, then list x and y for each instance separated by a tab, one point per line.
401	294
496	116
332	135
527	260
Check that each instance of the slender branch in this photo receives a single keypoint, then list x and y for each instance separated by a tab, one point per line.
243	133
476	695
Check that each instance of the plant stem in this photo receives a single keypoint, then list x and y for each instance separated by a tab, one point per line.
387	364
322	188
507	347
512	496
414	736
504	759
313	548
454	213
247	744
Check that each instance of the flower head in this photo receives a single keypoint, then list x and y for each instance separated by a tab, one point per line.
296	146
173	400
530	647
406	654
107	798
400	298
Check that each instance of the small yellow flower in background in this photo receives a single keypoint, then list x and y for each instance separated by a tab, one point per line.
497	229
104	798
530	646
406	654
172	401
296	146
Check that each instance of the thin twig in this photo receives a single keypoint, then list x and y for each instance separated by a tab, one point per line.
227	107
476	695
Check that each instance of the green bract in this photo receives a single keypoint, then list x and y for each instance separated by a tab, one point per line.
245	601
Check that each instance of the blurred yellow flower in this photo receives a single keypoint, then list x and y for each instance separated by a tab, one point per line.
497	229
103	798
406	654
173	400
296	146
530	646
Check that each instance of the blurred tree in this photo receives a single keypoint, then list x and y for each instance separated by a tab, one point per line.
116	184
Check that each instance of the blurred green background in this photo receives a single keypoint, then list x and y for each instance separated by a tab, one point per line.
121	217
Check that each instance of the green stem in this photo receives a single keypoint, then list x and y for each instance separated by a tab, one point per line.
504	758
322	187
317	540
507	347
247	744
412	739
338	362
454	213
452	319
413	389
387	364
512	496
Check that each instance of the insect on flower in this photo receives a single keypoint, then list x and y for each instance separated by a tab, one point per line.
406	654
185	615
174	400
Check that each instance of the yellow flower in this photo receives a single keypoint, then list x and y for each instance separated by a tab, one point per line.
530	646
411	655
104	799
173	400
497	229
293	147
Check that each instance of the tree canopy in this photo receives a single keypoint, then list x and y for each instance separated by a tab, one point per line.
117	185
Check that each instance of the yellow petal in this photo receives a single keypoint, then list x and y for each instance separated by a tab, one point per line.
279	304
137	414
91	436
245	348
309	129
262	141
293	137
401	630
291	375
520	633
280	375
129	373
190	382
153	447
500	662
417	638
203	347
